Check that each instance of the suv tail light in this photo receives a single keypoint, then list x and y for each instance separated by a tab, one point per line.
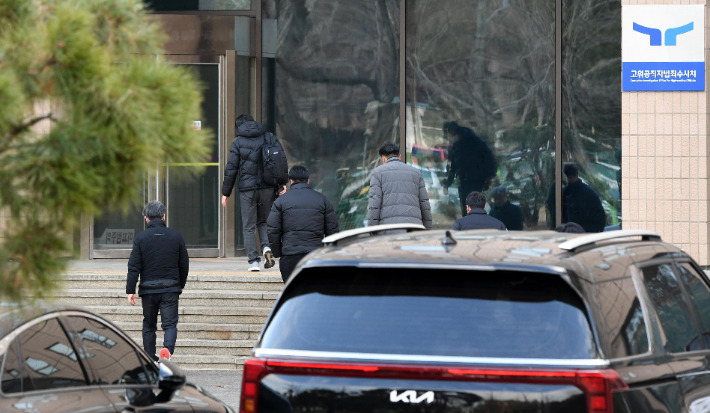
597	385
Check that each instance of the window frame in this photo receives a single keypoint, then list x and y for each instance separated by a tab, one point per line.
141	357
684	293
14	335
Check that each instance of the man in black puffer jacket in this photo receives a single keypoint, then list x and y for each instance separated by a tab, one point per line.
160	259
298	221
254	198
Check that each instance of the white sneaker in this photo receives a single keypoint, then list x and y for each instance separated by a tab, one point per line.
268	258
254	266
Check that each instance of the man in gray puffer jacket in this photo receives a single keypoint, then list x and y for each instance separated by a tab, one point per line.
397	192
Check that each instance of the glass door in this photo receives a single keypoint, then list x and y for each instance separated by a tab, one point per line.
190	191
193	198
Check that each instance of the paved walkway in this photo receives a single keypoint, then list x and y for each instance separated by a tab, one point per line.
222	384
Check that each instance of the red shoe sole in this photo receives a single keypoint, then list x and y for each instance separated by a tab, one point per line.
164	354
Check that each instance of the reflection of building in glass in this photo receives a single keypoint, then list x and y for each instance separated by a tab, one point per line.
40	366
64	350
97	338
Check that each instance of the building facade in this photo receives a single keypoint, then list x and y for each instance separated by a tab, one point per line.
539	81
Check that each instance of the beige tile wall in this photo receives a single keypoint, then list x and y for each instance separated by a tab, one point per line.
664	147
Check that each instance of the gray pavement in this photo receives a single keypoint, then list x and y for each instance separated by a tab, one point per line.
226	385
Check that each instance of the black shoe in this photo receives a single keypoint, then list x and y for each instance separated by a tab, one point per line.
269	258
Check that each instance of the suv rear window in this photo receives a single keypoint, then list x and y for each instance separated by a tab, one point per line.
431	312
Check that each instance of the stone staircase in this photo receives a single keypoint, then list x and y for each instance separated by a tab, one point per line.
221	313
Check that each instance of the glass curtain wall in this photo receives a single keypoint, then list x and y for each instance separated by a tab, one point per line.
488	66
194	5
331	92
591	113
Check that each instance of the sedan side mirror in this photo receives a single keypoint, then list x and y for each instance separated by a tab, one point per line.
171	377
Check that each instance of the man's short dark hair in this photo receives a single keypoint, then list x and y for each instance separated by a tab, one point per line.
389	149
570	227
298	173
451	127
242	119
476	200
570	170
154	210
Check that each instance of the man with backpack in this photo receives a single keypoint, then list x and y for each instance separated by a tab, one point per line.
257	160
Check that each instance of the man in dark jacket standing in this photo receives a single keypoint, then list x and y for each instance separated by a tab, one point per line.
160	260
254	198
503	210
298	221
581	204
472	160
397	192
476	217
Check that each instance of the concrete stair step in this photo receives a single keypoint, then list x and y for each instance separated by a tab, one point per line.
216	315
190	362
209	347
201	331
222	282
117	297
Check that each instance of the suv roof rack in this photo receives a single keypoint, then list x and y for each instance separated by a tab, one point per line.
351	233
582	241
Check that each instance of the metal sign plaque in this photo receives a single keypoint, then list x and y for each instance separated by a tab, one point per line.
663	48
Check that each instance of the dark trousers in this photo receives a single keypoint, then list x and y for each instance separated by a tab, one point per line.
167	304
255	207
288	263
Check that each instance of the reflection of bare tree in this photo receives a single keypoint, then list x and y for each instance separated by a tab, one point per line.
591	98
591	66
336	80
488	64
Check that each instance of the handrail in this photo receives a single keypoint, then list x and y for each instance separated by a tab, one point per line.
333	239
575	243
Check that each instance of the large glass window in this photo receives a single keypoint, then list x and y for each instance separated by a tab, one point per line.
591	113
672	308
48	360
331	92
400	312
488	66
623	318
699	297
112	359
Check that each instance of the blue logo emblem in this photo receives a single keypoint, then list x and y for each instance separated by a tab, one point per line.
671	34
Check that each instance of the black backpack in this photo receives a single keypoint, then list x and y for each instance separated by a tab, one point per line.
273	161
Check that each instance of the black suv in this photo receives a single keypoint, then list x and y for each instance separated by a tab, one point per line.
487	321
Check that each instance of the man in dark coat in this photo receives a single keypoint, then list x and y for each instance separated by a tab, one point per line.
477	217
581	204
298	222
255	199
160	260
503	210
472	160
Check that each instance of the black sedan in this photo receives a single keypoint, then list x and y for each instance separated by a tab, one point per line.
66	359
